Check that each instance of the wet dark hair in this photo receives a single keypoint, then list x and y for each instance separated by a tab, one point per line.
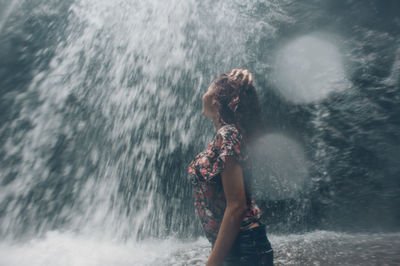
240	106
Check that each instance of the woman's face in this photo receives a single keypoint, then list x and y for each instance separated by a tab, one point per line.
210	104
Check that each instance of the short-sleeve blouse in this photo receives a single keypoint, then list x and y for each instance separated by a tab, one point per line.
205	175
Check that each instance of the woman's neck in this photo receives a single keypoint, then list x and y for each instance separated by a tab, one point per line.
218	124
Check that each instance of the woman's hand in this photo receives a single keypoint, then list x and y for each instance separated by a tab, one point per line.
246	76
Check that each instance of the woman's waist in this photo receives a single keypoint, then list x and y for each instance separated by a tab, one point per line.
248	224
252	215
256	232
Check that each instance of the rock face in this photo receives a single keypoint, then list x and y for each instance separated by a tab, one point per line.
100	112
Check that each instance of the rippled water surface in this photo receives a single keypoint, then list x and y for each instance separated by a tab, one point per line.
315	248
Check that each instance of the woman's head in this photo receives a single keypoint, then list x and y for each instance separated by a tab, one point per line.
229	101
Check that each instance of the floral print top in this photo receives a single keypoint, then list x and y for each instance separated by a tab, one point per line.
205	175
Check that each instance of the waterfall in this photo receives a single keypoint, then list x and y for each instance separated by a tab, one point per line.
100	114
101	128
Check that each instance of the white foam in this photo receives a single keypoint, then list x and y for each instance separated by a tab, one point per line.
312	248
67	249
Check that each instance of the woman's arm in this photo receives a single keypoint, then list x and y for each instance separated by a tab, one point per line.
232	182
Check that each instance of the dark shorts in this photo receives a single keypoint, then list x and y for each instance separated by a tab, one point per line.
251	248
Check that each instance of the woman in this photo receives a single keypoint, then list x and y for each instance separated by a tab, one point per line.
219	174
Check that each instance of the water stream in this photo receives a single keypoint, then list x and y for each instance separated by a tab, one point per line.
101	112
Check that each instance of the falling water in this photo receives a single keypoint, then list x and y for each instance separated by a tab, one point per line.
7	9
101	113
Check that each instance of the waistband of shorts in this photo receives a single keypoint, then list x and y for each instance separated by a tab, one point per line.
261	229
256	230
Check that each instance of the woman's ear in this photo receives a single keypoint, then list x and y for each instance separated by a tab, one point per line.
215	102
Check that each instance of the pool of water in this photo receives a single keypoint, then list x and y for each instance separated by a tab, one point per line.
314	248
